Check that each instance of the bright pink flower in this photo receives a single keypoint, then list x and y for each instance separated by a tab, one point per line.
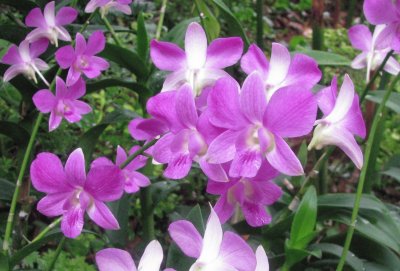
70	192
113	259
217	251
342	120
198	65
134	180
374	50
385	12
256	127
50	25
281	71
64	104
25	60
250	194
107	5
83	59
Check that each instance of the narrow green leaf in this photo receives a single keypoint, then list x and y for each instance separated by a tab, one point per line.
393	103
7	189
4	265
142	45
208	20
393	172
341	200
325	58
119	208
106	83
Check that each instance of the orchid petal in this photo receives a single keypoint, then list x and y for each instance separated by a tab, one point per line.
212	239
262	260
105	183
279	64
72	222
44	100
102	216
255	214
167	56
223	148
344	101
186	236
224	52
152	257
360	37
96	43
195	46
380	11
255	60
252	98
52	204
66	15
113	259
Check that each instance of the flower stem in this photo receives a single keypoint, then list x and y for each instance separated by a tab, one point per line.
111	29
47	229
363	175
260	24
57	253
138	152
147	214
161	20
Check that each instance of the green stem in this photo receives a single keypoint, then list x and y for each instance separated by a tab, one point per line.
161	20
147	214
138	152
111	29
363	175
260	23
350	13
58	251
51	226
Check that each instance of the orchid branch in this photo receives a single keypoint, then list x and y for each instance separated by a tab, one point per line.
51	226
111	29
161	20
363	175
137	153
57	253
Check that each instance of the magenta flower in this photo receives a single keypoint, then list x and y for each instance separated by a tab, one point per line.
25	60
374	50
107	5
134	180
217	250
281	71
113	259
64	104
342	120
198	65
256	127
262	260
83	59
385	12
250	194
70	192
50	25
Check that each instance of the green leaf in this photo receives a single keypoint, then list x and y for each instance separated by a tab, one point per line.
106	83
15	132
177	33
4	265
119	208
7	189
126	59
393	172
341	200
235	28
142	45
393	103
295	255
208	20
325	58
336	250
304	220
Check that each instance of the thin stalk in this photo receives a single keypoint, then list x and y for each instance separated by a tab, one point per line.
260	24
161	20
28	151
51	226
147	214
350	13
111	29
58	251
363	175
138	152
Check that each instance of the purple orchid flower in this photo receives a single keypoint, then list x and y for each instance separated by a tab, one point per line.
107	5
25	60
256	127
342	120
198	65
250	194
113	259
50	25
262	260
385	12
83	59
64	104
374	50
134	180
281	71
70	192
217	251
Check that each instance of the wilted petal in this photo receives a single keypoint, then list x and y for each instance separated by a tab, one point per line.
66	15
152	257
186	236
255	60
262	260
102	216
195	46
360	37
72	222
105	183
224	52
279	64
113	259
44	100
167	56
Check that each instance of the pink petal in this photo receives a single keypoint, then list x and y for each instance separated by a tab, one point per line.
279	64
283	159
224	209
224	52
102	216
266	172
289	117
354	121
186	107
49	13
162	149
262	259
66	15
152	257
212	239
255	214
75	168
303	72
72	222
246	163
255	60
113	259
179	166
47	174
121	156
167	56
135	181
12	56
96	66
73	76
213	171
61	88
80	44
63	34
392	66
145	129
195	46
44	100
235	252
252	98
123	8
91	6
162	107
96	43
269	192
174	80
186	236
360	61
360	37
139	161
101	161
326	98
52	205
223	148
65	56
54	120
380	11
77	90
105	183
40	64
35	18
13	71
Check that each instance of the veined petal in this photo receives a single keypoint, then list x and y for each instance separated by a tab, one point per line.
195	46
186	236
167	56
72	222
65	56
212	239
179	166
49	13
66	15
246	163
44	100
224	209
145	129
360	37
35	18
222	149
52	204
255	214
380	11
113	259
75	168
12	56
255	60
102	216
279	64
105	183
360	61
252	98
96	43
152	257
186	107
224	52
262	259
162	149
